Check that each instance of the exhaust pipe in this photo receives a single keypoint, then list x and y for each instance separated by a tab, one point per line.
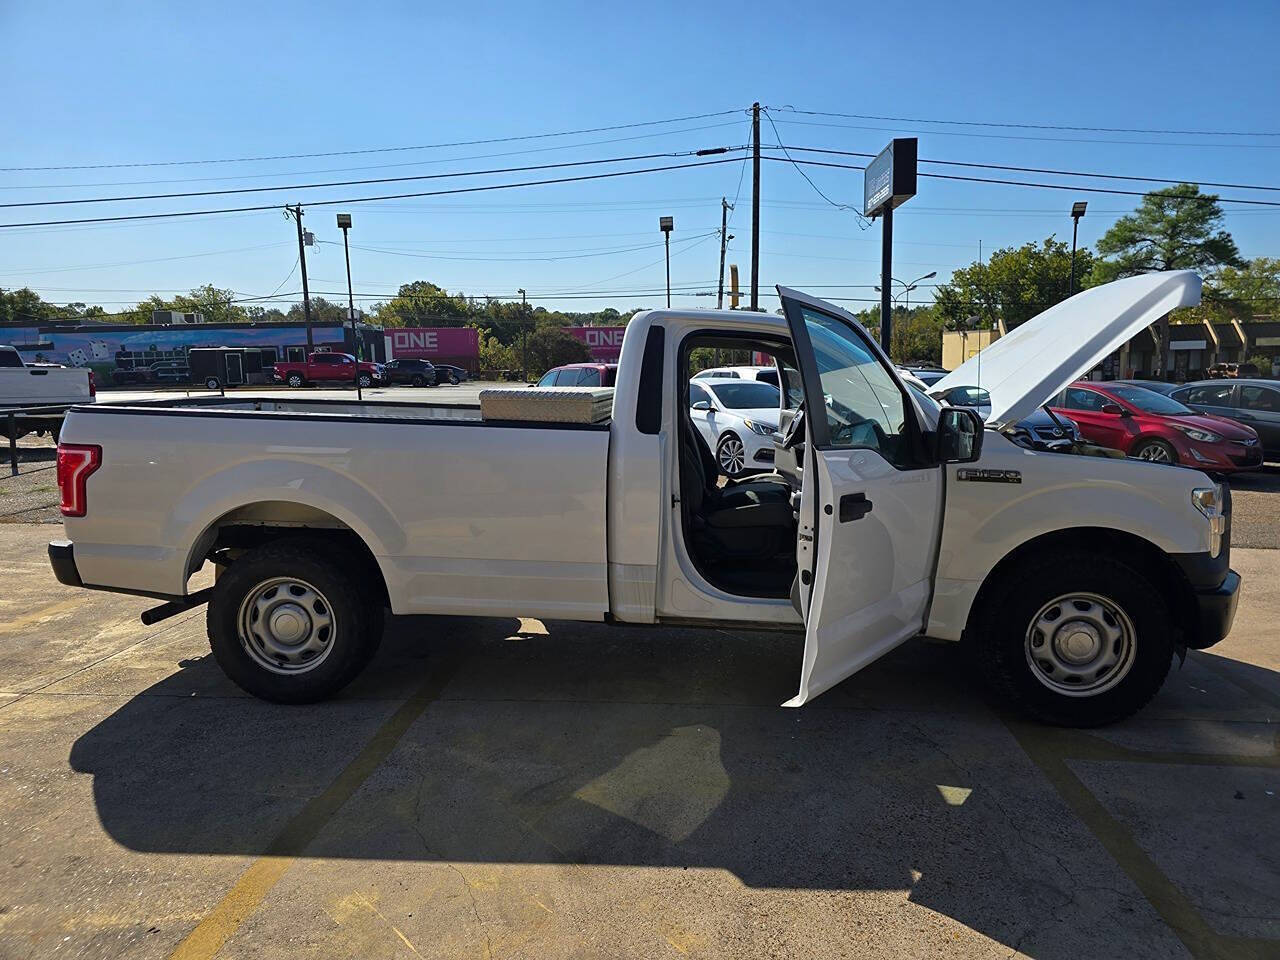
175	607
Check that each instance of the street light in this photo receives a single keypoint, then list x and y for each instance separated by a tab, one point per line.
908	287
344	223
1077	211
666	225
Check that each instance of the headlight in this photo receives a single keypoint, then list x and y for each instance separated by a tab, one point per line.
764	429
1204	436
1209	500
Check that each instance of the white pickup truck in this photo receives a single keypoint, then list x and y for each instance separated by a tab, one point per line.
38	385
1073	579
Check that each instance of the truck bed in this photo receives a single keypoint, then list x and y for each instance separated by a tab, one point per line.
502	518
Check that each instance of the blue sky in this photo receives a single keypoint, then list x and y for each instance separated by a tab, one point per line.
90	83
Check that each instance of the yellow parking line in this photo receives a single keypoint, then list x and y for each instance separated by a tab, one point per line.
254	884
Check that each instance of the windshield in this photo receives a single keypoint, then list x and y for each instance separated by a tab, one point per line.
1150	402
745	394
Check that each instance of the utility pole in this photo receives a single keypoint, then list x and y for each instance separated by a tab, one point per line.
524	330
725	207
755	206
296	211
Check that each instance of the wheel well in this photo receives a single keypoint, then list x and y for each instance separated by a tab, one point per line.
253	525
1167	577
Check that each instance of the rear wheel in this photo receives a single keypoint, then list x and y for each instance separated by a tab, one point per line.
1157	451
365	381
419	380
453	379
1077	640
731	455
212	383
295	380
288	623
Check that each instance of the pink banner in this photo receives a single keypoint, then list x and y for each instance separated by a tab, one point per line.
429	343
605	343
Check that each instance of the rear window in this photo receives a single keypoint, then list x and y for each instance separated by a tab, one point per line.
1218	396
1149	401
746	394
10	358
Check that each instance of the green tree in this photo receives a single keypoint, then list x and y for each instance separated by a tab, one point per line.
1177	228
1014	285
27	306
548	346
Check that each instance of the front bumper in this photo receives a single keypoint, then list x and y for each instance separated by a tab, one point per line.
1217	610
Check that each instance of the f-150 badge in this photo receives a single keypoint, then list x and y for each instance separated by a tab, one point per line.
990	476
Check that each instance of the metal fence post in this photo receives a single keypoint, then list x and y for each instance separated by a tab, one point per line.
13	444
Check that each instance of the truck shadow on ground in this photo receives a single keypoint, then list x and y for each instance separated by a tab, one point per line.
659	748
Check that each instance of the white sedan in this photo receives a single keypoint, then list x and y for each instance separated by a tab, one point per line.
737	418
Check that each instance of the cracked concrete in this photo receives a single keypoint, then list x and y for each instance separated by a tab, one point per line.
615	792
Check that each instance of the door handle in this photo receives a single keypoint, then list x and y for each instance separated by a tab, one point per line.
854	506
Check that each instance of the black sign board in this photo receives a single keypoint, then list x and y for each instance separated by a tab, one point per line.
890	179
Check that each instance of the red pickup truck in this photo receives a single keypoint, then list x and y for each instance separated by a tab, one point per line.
328	368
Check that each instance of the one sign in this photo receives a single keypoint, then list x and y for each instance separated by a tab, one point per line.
1188	345
890	179
429	343
344	220
1267	342
666	224
605	343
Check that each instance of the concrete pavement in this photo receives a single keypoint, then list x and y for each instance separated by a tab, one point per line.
498	788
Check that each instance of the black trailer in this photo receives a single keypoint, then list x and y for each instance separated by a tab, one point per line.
218	367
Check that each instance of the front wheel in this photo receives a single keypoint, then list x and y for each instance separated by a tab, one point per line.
1076	640
213	383
419	380
287	623
453	379
731	455
365	381
295	380
1156	451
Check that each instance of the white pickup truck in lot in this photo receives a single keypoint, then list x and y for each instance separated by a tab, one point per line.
1074	580
39	385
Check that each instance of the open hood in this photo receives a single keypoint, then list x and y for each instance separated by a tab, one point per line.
1033	362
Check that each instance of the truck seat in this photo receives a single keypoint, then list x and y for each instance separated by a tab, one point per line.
740	522
766	488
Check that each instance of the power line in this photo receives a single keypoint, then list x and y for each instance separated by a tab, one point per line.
862	221
1061	173
1043	186
1035	126
368	182
348	153
394	196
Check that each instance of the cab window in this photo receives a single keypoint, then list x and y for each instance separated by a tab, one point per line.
1074	398
1215	396
589	378
1260	398
865	408
548	378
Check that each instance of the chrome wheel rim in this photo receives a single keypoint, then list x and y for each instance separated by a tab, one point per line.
732	455
1080	645
286	626
1155	452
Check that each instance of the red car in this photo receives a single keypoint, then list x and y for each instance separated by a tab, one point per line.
1150	426
581	375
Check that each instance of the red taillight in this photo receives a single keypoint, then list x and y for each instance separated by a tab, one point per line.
75	463
93	385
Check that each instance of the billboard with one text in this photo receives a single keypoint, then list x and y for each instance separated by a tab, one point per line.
434	343
605	343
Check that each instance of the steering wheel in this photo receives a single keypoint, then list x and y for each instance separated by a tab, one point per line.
794	433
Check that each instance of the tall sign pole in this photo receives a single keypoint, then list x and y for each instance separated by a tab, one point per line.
889	181
344	223
755	206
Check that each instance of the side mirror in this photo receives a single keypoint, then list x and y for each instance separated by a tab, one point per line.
959	436
701	405
1113	409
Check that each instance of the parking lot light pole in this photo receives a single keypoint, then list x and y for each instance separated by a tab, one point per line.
666	225
1077	211
524	331
344	222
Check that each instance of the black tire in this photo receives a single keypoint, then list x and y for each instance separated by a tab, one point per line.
730	466
365	381
419	380
1156	451
453	379
213	383
1002	641
355	624
295	380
